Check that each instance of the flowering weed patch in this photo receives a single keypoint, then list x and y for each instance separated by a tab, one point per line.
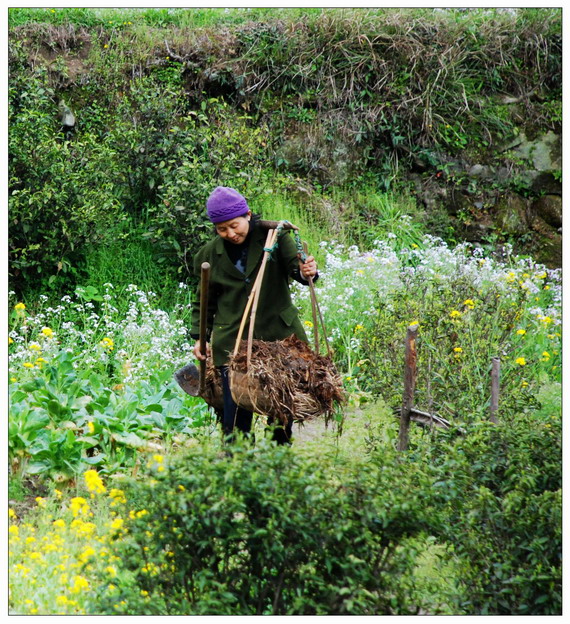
124	346
469	307
61	554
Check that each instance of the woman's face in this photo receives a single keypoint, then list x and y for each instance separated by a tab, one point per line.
234	230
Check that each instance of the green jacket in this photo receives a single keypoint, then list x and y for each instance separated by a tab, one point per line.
276	316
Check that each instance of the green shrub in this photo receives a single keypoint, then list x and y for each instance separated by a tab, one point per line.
501	486
264	531
62	193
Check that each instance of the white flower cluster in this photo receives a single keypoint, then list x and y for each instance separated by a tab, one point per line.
143	340
353	283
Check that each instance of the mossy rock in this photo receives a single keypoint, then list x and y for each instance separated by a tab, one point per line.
510	215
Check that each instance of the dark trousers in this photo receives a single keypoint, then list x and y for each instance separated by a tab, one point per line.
235	417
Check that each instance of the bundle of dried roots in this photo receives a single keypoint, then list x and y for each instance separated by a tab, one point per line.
285	379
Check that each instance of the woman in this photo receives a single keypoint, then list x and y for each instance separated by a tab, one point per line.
235	256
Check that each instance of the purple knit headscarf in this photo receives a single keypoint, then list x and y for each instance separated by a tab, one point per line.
225	203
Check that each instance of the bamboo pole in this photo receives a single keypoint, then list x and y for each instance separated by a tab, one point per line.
410	371
204	282
495	373
257	287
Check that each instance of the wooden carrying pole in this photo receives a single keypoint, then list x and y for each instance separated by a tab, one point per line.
495	372
204	282
253	294
257	288
410	371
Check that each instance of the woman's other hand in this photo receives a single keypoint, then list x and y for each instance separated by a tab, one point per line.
309	267
198	351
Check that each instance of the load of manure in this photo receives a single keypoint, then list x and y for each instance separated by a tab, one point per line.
285	379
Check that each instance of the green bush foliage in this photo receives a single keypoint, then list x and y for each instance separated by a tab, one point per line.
501	487
262	530
62	194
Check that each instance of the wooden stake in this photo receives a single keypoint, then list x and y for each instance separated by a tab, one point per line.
495	372
410	370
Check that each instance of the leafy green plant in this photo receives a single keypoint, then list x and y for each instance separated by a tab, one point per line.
64	420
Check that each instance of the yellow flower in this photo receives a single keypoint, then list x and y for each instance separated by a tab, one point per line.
117	524
546	320
34	346
107	343
80	583
414	246
455	314
118	497
91	427
59	523
14	530
40	501
78	505
547	287
469	303
110	570
521	332
308	324
28	365
11	513
86	554
458	350
94	482
19	307
158	458
81	528
10	341
520	361
545	356
358	328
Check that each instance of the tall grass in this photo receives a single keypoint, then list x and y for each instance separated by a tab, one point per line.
155	17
